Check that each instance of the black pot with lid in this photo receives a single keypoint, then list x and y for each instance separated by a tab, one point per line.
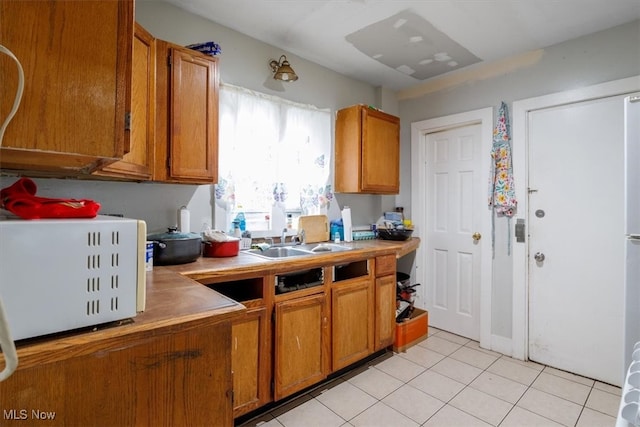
174	247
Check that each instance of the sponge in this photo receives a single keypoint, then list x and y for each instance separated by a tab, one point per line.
261	246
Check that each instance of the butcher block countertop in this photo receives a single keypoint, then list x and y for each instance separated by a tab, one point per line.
176	300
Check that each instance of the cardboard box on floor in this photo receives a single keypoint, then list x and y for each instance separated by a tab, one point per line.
411	331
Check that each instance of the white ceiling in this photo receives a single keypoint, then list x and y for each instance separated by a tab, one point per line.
438	37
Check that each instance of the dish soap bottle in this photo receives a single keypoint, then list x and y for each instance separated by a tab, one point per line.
236	229
241	219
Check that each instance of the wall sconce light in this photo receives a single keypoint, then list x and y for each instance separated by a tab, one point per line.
283	70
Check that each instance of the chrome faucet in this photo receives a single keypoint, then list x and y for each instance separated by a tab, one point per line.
283	237
300	237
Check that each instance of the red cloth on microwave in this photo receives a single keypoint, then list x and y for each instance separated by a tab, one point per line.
20	199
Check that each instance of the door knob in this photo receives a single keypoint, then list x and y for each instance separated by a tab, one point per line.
476	236
539	256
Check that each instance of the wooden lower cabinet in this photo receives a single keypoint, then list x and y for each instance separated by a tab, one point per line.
170	377
385	305
300	349
288	342
250	361
352	321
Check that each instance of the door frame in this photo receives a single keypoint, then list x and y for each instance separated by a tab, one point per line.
520	155
419	130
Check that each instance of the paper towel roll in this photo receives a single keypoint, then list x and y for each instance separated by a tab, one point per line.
184	219
346	223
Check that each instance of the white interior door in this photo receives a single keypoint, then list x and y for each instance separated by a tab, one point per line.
455	194
576	248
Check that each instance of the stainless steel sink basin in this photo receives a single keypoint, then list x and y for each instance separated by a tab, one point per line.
324	247
299	250
280	252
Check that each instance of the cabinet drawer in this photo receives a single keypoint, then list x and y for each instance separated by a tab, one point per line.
385	265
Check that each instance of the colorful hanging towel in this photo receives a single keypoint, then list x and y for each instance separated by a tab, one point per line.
20	199
502	195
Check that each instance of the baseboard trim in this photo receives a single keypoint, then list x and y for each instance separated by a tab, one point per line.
501	345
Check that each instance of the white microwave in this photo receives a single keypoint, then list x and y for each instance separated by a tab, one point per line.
62	274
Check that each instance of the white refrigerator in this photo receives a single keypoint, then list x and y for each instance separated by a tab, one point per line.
632	225
628	414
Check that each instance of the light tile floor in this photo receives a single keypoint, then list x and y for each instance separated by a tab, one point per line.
449	381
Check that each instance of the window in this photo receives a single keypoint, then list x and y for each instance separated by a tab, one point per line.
274	160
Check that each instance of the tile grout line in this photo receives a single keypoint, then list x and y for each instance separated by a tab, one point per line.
460	345
530	386
465	385
520	398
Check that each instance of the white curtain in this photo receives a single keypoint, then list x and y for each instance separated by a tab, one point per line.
273	154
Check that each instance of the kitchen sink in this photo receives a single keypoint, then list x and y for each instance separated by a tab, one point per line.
324	247
298	250
280	252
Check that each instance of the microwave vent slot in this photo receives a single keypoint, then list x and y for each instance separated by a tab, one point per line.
93	262
93	284
93	307
93	238
114	303
115	259
115	238
115	281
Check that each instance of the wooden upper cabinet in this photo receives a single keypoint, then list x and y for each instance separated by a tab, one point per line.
187	119
367	151
77	59
137	164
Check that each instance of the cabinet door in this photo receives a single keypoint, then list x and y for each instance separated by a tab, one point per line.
250	362
187	136
300	355
385	311
138	162
380	152
76	58
352	322
348	148
367	151
167	377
